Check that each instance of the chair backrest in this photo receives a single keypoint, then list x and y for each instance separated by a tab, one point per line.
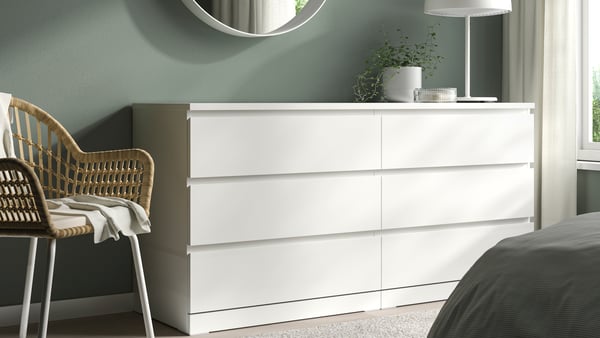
63	169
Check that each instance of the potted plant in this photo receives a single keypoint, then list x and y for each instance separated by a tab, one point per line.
395	70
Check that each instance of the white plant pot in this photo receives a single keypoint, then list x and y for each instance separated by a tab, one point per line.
399	83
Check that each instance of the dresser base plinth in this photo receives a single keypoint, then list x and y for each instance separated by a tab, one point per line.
276	313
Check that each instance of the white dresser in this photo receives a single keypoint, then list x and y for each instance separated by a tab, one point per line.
270	212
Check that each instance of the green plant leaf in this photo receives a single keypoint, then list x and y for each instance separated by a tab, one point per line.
367	86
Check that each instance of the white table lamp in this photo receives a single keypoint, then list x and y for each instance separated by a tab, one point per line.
467	9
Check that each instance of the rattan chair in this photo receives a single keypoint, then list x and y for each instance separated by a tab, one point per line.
49	164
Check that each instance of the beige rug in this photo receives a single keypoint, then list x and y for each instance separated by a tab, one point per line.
407	325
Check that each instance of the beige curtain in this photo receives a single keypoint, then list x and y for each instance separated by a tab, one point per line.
254	16
540	65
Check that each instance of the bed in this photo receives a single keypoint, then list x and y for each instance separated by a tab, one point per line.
541	284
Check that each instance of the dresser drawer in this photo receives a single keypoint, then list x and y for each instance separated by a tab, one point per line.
450	138
256	144
240	276
454	195
246	210
425	255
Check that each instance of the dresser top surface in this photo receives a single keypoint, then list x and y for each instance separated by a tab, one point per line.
379	106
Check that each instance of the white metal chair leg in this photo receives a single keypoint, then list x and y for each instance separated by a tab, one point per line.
43	328
141	282
28	286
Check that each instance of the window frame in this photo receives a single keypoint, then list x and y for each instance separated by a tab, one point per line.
587	149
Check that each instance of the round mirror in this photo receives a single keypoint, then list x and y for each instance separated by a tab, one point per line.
254	18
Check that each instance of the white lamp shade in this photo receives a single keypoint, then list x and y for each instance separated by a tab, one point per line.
463	8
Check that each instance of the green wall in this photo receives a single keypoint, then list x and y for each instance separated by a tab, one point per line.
86	62
588	191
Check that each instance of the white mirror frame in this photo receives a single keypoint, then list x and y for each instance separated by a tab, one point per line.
310	9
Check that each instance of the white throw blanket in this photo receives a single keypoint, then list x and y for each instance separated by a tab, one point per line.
108	215
7	149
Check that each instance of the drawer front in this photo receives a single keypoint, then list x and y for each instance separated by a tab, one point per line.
246	210
424	256
430	139
233	277
277	144
454	195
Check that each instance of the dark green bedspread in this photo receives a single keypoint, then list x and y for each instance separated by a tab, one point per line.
542	284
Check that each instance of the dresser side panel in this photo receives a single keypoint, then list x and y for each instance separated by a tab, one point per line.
162	131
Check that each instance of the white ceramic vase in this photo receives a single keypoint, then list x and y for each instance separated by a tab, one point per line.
399	83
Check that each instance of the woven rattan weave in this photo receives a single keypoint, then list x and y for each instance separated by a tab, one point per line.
50	164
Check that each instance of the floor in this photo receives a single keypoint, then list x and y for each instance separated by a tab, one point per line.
131	325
